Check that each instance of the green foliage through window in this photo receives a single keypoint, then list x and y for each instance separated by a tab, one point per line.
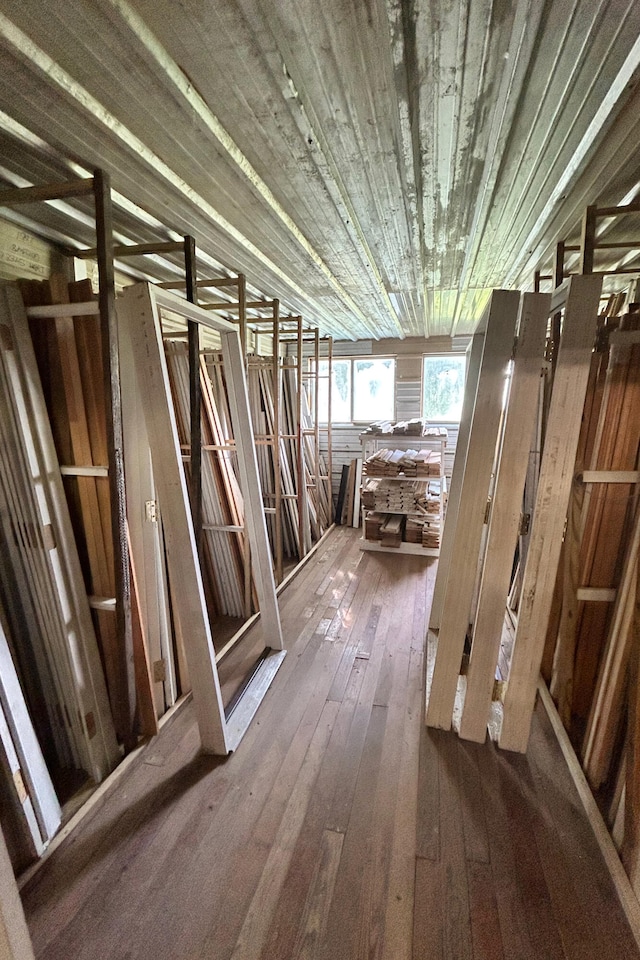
362	390
443	387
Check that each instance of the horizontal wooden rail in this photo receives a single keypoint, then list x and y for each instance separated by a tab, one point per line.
48	191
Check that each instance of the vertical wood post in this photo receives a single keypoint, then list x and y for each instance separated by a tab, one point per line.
316	422
195	399
474	358
302	490
255	523
277	475
115	442
552	499
558	280
329	428
465	549
588	239
242	314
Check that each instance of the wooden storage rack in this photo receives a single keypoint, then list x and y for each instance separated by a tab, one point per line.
99	187
371	443
141	306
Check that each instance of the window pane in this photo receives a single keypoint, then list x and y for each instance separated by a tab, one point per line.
443	387
373	389
340	392
323	391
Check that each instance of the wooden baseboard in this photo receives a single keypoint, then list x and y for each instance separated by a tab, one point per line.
625	892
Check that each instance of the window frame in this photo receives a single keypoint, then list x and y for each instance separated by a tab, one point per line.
352	360
457	354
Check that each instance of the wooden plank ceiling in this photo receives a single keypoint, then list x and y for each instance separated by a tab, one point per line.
378	165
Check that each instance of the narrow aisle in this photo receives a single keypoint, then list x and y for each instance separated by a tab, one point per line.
341	828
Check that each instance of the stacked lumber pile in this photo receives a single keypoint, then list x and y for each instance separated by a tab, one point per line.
409	428
424	530
380	427
410	463
391	530
400	496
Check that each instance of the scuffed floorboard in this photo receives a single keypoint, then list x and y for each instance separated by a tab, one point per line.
341	828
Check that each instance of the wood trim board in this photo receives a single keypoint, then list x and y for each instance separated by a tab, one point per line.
505	514
501	317
474	358
552	498
32	765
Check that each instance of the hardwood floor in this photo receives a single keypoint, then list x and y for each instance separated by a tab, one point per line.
341	828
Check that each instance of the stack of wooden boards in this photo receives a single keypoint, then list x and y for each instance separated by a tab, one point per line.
388	528
348	502
392	529
476	565
405	509
410	428
408	463
403	496
424	530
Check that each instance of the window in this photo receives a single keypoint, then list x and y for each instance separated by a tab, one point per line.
362	390
443	387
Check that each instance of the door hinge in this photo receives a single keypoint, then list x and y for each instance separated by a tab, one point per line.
525	521
151	511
